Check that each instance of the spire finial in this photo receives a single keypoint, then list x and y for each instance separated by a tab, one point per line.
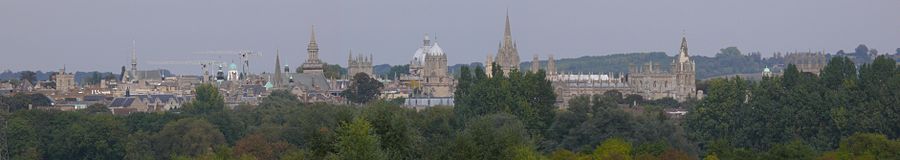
312	30
133	51
507	33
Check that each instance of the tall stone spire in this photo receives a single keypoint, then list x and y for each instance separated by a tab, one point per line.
278	74
507	34
683	54
313	64
313	47
133	74
507	55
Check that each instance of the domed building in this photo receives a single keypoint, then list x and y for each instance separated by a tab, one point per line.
233	74
428	73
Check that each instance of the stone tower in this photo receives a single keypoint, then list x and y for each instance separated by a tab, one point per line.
361	64
132	74
64	81
313	64
551	65
508	54
685	75
488	67
277	78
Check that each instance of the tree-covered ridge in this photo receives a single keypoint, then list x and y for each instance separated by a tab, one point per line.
818	111
846	113
727	61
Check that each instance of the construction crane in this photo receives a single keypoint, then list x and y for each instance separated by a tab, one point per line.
244	55
205	66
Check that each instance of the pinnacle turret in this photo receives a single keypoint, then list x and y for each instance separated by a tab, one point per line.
683	53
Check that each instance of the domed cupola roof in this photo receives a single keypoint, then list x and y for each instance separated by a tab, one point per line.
435	50
420	54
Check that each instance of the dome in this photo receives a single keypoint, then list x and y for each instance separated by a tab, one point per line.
767	70
420	54
232	66
435	50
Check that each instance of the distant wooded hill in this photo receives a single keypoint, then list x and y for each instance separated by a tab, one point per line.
728	62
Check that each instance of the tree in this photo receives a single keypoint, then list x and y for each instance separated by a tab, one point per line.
729	51
793	150
398	70
356	140
187	137
495	136
96	109
613	148
363	89
207	99
862	52
334	71
29	76
261	147
393	125
866	146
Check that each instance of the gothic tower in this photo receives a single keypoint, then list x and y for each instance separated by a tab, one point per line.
132	75
551	65
685	75
508	54
361	64
313	64
278	75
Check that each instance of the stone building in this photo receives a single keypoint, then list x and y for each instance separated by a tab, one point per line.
648	81
313	64
507	54
360	64
428	72
64	81
811	62
310	85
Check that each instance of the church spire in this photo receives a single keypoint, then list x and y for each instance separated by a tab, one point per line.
507	34
278	73
683	54
313	47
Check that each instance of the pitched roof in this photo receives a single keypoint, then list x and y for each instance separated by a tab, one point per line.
122	102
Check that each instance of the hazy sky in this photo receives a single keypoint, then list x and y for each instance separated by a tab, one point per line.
97	34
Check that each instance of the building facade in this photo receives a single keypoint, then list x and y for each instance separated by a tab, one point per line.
360	64
64	81
428	72
507	57
811	62
648	80
313	64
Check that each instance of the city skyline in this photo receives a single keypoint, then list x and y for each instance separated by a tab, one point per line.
88	37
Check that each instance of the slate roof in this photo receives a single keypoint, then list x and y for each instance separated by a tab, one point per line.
162	98
306	80
150	75
122	102
254	89
93	98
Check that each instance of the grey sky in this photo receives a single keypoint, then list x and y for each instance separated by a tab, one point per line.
97	34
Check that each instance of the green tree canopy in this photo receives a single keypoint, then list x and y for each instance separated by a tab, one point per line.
363	89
